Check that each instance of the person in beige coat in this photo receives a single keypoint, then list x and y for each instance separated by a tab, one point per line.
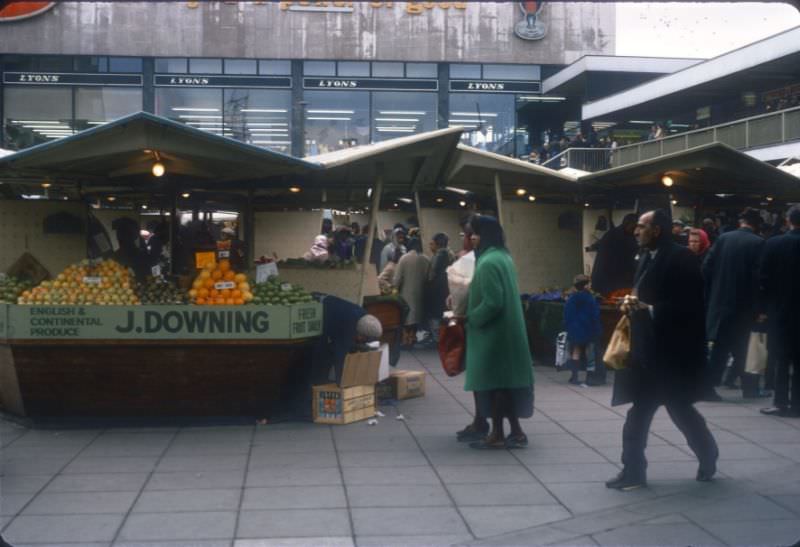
409	278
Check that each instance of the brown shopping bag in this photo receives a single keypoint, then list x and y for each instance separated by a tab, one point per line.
452	346
756	362
619	347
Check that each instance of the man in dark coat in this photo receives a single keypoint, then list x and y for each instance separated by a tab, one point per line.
731	280
615	262
667	352
780	285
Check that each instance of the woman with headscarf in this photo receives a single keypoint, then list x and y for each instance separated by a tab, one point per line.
499	368
699	244
386	278
409	278
319	250
398	240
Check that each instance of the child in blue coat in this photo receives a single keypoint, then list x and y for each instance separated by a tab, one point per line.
582	324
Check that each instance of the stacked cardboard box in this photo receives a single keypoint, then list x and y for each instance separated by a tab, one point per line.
354	398
402	384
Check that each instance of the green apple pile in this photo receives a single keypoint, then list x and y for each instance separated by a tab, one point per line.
11	288
159	292
277	293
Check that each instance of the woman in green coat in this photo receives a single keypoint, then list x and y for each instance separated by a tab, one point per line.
499	368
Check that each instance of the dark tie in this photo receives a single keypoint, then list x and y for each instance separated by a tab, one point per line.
646	262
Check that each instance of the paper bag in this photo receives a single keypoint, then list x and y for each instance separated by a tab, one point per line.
756	362
619	347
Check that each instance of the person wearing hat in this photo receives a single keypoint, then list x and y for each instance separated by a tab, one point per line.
679	232
730	273
236	249
131	252
582	324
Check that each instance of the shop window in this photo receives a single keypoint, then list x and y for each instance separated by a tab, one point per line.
353	68
511	72
34	115
124	64
55	63
275	68
319	68
399	114
171	66
461	72
489	120
335	120
261	117
240	66
91	64
205	66
97	105
199	108
387	70
421	70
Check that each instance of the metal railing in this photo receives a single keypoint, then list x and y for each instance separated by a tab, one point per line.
585	159
763	130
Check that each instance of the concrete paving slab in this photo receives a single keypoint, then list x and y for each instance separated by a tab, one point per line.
18	484
485	474
323	476
770	532
192	543
354	476
407	521
544	454
296	542
83	465
101	482
495	520
657	534
75	503
287	460
188	480
11	504
550	473
417	495
211	499
206	462
297	523
61	529
33	465
413	541
294	497
382	459
179	526
466	495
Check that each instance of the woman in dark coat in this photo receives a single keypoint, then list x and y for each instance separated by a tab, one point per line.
582	323
437	290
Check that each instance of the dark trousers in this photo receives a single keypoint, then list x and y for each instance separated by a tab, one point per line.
787	378
732	339
686	418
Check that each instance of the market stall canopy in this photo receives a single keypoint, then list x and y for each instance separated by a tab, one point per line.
406	164
122	153
474	170
707	170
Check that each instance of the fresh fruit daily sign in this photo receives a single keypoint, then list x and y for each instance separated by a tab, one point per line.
162	322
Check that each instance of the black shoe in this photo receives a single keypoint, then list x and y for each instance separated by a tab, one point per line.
704	475
625	482
471	434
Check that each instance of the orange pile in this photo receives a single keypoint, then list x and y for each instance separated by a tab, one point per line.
218	285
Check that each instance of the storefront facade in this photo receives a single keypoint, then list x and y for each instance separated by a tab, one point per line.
298	77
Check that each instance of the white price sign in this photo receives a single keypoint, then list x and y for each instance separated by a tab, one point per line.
265	271
220	285
224	254
155	271
286	287
92	280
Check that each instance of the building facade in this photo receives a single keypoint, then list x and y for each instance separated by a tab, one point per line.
297	77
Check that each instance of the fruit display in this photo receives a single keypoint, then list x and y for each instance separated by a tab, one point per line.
98	282
11	288
326	265
276	293
158	292
217	284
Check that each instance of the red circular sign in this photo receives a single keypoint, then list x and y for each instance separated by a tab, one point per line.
14	11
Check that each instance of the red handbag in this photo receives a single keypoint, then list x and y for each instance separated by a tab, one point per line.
452	346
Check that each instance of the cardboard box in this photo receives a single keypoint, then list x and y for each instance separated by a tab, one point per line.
361	369
402	384
332	404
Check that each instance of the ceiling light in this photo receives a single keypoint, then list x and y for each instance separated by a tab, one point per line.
482	114
369	192
328	118
331	111
521	192
531	198
462	203
158	169
770	198
396	119
111	198
456	190
185	195
265	110
294	189
674	201
667	181
586	204
47	185
439	200
144	207
197	117
644	122
187	109
395	205
403	112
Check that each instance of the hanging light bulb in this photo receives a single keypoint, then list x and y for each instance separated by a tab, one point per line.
439	200
46	185
294	189
674	201
521	191
667	181
185	195
158	169
531	198
462	203
111	198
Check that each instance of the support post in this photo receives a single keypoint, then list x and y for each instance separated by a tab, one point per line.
498	192
419	220
373	227
250	229
174	224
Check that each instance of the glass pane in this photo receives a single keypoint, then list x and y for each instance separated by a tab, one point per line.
20	63
511	72
205	66
200	108
488	118
91	64
173	66
240	66
421	70
319	68
34	115
61	63
352	68
276	68
97	105
387	70
124	64
465	71
335	120
398	114
259	116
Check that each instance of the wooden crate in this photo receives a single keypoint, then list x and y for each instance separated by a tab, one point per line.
332	404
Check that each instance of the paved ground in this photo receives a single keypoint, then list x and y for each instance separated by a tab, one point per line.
403	482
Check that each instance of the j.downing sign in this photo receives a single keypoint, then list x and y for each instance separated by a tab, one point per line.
163	322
